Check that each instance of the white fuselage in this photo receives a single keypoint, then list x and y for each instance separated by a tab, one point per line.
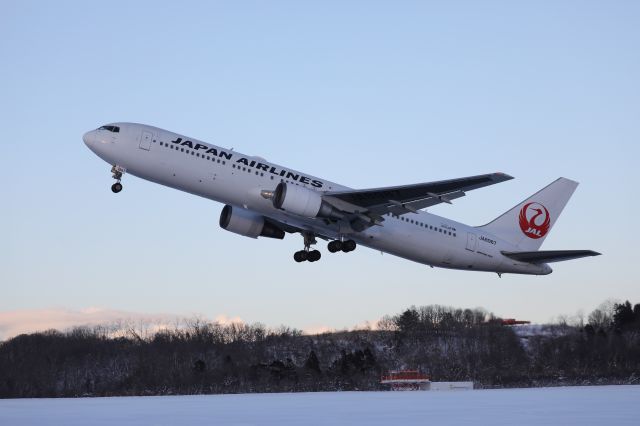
233	178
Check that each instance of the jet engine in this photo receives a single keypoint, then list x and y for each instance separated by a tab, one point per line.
244	222
303	202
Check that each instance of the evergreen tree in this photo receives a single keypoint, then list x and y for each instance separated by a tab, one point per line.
622	315
408	321
312	362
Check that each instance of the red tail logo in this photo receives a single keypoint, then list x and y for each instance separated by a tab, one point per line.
534	220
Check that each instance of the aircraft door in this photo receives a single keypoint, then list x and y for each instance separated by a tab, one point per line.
471	241
145	140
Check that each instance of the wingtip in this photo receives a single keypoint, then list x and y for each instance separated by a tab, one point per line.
503	176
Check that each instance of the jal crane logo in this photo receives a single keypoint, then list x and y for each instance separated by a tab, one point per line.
534	220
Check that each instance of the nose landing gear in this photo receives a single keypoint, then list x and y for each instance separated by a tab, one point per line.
116	187
117	172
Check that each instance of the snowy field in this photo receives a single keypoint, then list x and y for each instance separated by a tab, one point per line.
598	405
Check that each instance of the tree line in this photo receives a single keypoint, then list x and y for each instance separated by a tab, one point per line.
202	357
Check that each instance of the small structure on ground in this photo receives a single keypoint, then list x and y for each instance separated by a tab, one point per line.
415	380
513	321
446	386
406	380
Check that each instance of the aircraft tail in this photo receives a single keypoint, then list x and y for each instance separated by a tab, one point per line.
528	224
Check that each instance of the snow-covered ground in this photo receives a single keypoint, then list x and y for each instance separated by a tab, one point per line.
597	405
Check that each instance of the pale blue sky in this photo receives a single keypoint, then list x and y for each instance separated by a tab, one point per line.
364	93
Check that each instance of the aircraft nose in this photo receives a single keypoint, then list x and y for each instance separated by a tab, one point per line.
89	137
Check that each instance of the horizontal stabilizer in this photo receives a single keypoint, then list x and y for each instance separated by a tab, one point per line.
549	255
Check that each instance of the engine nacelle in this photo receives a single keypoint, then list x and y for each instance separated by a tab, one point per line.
303	202
247	223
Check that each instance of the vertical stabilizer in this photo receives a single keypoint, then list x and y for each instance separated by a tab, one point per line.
528	224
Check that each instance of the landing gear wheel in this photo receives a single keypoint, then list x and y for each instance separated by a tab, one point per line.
348	245
314	256
334	246
117	172
300	256
307	254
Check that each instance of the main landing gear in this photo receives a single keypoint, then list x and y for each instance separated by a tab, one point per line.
311	256
306	254
314	255
345	246
117	172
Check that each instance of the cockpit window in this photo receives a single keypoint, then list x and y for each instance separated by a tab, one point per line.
114	129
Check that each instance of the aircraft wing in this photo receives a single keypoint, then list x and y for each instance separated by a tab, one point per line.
549	255
409	198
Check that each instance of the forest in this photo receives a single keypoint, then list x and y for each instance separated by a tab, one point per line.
200	357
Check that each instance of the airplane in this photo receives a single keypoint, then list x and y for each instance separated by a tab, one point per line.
264	199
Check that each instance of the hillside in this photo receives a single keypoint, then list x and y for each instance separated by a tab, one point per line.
199	357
